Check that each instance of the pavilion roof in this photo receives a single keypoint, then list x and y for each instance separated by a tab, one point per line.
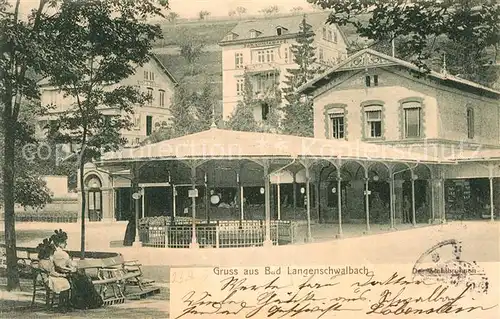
225	144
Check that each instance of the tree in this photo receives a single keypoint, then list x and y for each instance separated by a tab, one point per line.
191	48
192	111
172	16
105	42
204	101
183	112
24	54
296	9
231	13
241	11
243	118
29	190
298	117
274	9
203	14
470	30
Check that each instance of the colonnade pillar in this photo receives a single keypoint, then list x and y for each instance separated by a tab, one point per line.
267	200
339	202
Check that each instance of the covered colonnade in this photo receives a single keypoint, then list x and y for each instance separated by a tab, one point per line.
270	182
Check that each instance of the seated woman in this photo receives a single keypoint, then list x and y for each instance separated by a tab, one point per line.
84	294
55	281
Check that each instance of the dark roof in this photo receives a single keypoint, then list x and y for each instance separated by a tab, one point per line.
45	81
267	26
167	72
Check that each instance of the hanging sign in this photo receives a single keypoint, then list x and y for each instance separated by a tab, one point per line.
193	193
264	43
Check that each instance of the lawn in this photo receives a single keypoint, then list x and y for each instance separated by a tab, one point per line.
210	32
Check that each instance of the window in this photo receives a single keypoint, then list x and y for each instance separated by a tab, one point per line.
149	76
270	55
373	123
239	86
265	111
150	96
321	54
107	120
285	55
470	123
368	80
149	125
162	98
261	56
324	33
229	37
238	60
337	125
330	35
137	140
278	31
265	82
335	37
137	121
412	118
254	33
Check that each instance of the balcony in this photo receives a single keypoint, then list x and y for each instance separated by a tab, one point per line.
265	95
262	67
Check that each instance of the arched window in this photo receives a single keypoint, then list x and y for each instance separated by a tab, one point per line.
470	122
94	198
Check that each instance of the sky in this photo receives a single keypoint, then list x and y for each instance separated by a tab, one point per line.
217	8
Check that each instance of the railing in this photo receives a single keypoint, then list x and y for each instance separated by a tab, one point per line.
46	217
216	234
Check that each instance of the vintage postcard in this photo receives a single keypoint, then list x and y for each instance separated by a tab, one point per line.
249	159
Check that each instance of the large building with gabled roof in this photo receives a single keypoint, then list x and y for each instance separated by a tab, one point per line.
376	98
152	78
261	49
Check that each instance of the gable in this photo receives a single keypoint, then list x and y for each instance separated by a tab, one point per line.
368	59
151	74
365	60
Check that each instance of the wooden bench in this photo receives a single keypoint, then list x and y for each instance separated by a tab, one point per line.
108	271
115	274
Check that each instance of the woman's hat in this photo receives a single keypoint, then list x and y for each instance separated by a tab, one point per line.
59	236
45	249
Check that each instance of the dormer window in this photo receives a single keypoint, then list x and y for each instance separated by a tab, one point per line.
231	36
254	33
281	30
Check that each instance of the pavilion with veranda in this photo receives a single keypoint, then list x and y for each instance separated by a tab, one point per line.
259	182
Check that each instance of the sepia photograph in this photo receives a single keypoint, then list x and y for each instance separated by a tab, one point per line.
250	159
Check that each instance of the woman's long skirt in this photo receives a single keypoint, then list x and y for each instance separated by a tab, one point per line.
83	293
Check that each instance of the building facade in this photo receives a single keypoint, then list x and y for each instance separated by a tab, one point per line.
375	98
261	50
152	78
